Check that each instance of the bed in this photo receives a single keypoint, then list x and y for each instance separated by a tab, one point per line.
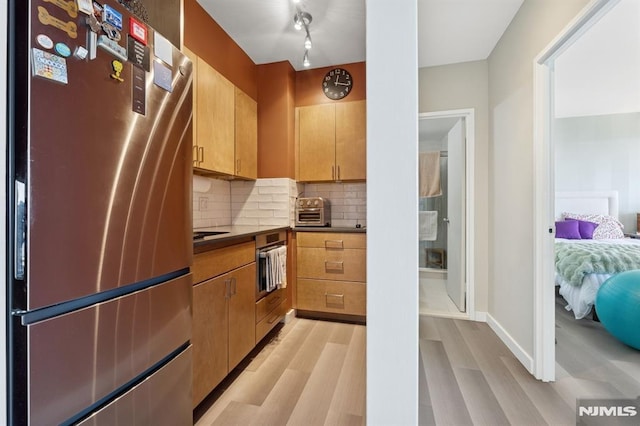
582	265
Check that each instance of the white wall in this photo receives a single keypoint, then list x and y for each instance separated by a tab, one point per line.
600	153
3	212
392	213
511	162
598	74
348	201
459	86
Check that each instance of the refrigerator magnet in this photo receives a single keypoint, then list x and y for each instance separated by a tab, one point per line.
49	66
111	31
63	50
138	53
139	88
105	43
138	30
162	76
117	70
85	6
44	41
111	16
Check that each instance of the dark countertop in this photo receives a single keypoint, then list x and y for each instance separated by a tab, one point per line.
329	229
233	234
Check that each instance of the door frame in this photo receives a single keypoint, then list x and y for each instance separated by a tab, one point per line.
469	116
544	356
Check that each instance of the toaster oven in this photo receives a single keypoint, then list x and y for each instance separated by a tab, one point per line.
313	211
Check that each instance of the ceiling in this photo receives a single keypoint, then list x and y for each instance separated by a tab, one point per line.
434	129
449	31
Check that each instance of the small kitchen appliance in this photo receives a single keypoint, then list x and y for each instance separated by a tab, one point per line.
313	211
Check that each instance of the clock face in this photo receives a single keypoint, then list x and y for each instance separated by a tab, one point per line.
337	83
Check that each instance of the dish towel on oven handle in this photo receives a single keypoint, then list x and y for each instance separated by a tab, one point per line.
276	268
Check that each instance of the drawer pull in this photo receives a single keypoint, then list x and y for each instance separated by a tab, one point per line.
334	300
273	319
272	301
333	266
334	244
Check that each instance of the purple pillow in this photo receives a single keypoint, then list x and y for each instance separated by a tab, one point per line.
568	229
585	228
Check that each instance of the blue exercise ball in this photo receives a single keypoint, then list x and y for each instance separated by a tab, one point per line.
618	307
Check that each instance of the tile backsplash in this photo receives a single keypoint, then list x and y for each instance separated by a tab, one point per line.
211	202
263	202
219	202
348	201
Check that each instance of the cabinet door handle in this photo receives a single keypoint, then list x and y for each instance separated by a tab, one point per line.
273	301
201	150
333	173
238	166
338	172
195	155
234	286
273	318
334	300
332	265
227	289
334	244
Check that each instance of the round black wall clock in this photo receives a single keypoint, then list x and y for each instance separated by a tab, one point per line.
337	83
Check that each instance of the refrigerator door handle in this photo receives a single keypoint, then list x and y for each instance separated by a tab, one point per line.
20	231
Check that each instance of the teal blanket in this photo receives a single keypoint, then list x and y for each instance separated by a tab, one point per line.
575	260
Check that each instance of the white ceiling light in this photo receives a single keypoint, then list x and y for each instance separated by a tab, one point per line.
303	19
305	60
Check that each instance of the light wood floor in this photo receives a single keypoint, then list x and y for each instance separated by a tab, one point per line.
313	373
310	373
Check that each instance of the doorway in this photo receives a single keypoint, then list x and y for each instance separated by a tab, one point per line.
544	187
445	197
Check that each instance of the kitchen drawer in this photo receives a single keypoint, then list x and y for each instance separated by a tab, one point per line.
332	296
342	265
332	241
270	321
215	262
268	303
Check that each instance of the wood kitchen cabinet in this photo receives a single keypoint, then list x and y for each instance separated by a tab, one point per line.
332	142
225	122
223	314
246	131
331	273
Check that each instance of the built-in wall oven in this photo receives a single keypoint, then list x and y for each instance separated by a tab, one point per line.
264	244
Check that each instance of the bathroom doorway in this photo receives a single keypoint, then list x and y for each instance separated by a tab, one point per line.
444	205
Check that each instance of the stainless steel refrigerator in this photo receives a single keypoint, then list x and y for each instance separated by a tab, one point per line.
100	164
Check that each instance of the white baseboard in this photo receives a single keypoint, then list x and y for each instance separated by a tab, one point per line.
522	356
480	316
289	316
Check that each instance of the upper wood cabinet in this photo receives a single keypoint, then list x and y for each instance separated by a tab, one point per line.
246	136
225	121
332	142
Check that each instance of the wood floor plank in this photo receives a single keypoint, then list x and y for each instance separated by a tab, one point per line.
313	404
350	395
427	328
280	403
548	402
306	358
344	419
341	333
449	407
236	413
256	387
425	409
483	406
457	350
487	350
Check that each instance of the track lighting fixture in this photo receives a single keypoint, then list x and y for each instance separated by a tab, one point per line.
301	20
305	59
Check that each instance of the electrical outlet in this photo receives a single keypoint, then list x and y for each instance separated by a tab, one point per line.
203	203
